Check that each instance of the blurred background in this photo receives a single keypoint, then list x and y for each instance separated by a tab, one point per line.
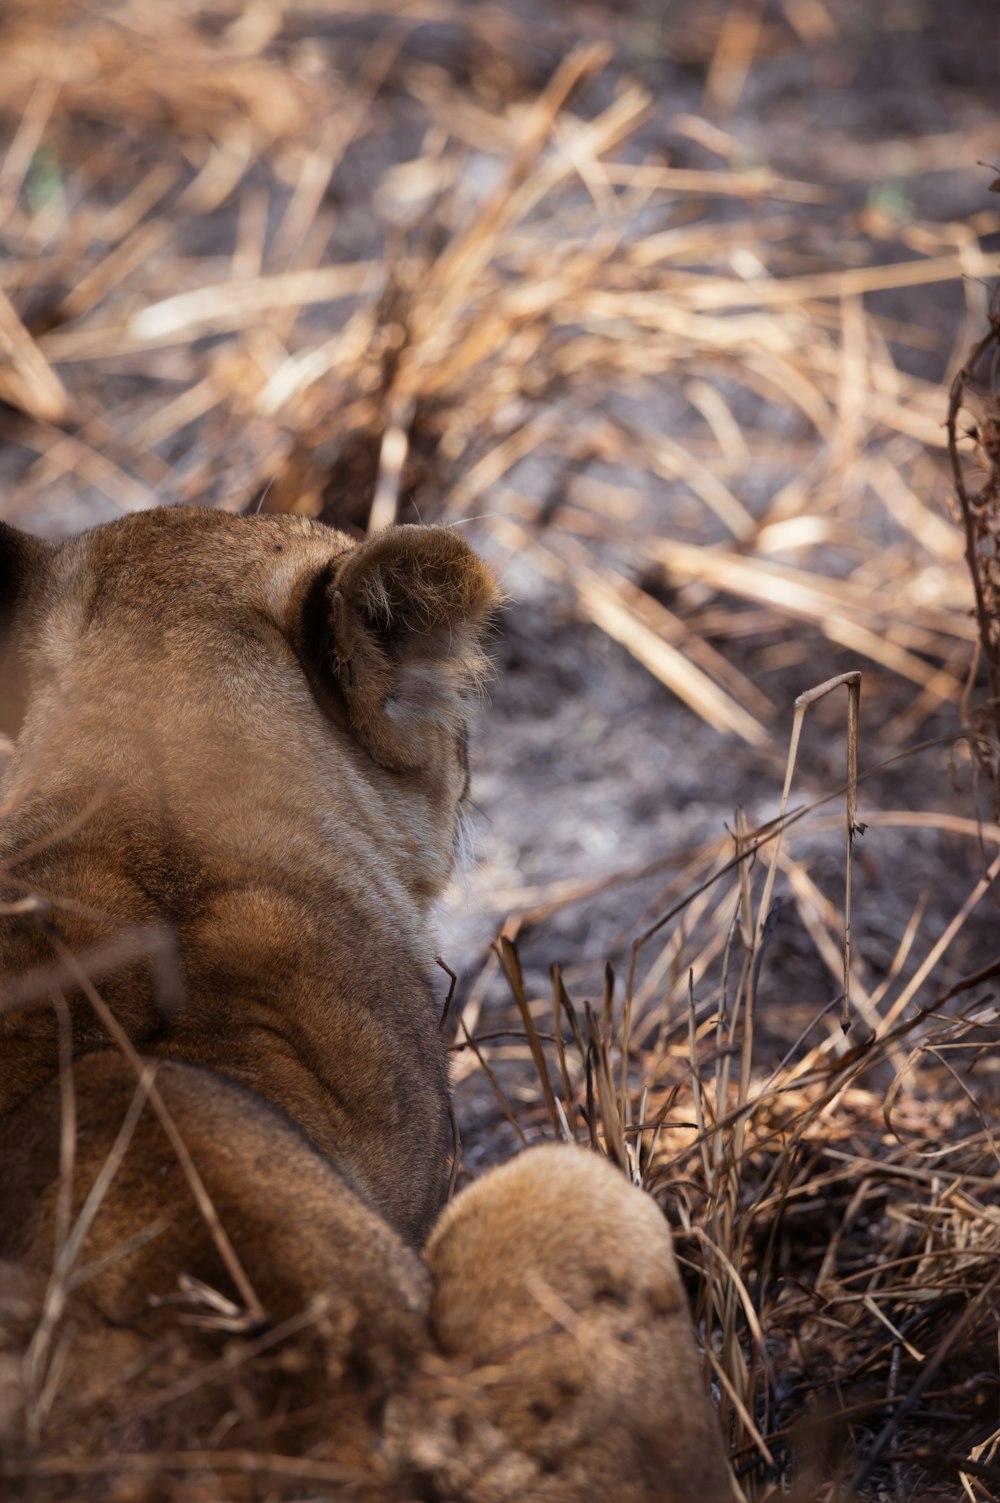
660	301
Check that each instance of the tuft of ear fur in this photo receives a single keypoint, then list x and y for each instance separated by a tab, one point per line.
22	562
408	612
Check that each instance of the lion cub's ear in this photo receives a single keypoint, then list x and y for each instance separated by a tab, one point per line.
23	561
409	610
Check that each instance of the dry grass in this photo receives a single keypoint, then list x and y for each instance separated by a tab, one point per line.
193	262
837	1210
184	316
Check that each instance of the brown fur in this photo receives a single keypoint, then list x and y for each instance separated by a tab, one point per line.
241	744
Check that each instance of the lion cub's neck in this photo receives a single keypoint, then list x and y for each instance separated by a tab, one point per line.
304	960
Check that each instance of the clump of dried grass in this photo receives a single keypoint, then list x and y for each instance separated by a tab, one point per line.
167	223
836	1209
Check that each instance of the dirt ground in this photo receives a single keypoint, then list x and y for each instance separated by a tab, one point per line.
587	767
723	432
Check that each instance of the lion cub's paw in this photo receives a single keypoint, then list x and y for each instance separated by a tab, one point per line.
571	1370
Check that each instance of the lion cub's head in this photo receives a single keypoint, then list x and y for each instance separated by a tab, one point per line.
242	673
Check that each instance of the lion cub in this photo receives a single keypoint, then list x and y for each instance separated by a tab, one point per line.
240	762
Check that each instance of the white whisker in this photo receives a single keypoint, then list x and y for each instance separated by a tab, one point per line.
265	492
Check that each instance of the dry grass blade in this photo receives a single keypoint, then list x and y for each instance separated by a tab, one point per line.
852	683
515	978
841	613
27	380
928	1373
159	1464
558	1006
608	601
495	1084
468	251
255	1312
40	1382
611	1124
452	983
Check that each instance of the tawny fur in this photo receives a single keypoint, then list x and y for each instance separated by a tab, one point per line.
241	744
